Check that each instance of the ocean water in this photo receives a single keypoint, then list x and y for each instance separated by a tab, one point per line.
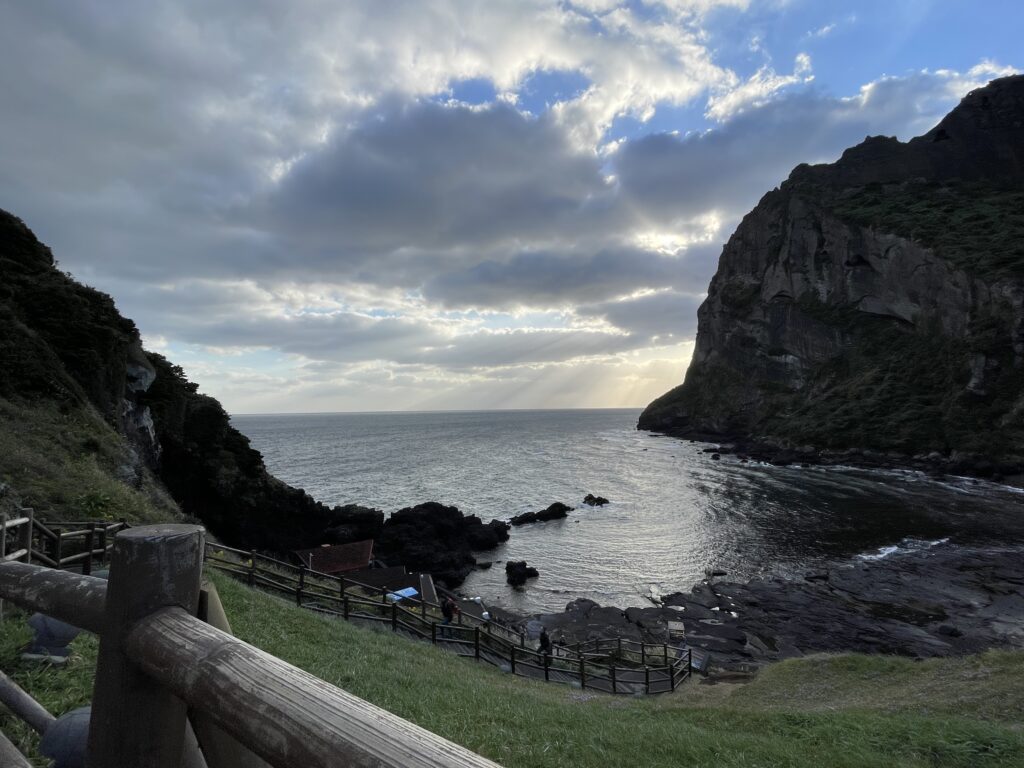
674	511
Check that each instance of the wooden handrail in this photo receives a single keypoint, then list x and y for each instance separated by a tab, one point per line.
244	690
77	600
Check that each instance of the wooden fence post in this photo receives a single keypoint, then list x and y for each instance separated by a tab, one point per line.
102	546
647	679
583	674
671	678
612	670
664	649
394	616
252	568
513	659
341	587
476	642
56	547
302	584
135	721
643	653
28	534
344	607
547	667
433	633
87	563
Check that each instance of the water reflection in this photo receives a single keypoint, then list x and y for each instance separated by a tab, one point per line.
675	511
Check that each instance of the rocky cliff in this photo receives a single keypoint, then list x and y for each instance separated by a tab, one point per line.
92	425
876	303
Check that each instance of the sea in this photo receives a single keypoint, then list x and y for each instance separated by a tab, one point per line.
674	512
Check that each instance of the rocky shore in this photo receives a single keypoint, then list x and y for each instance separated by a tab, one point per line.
940	602
934	464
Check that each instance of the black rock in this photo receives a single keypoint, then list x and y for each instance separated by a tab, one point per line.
516	573
436	539
595	501
556	511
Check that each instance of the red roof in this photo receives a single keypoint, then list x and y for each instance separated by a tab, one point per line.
338	558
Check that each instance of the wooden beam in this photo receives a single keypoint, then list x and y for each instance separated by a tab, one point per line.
135	722
24	706
281	713
10	757
77	600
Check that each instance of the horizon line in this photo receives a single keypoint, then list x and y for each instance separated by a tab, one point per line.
437	410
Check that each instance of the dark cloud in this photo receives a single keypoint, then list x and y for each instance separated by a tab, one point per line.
666	315
561	279
672	178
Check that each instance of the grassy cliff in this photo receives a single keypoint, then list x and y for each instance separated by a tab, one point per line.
92	425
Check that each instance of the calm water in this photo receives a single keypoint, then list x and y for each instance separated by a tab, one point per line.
674	511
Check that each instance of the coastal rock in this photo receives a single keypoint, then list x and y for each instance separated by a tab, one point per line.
355	523
517	572
853	293
437	539
556	511
594	501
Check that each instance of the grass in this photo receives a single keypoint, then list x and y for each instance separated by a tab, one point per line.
64	463
841	711
58	689
978	227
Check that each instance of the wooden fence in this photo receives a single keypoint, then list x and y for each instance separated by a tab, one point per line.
159	665
619	666
65	545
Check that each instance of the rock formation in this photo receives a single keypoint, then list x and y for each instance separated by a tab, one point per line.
432	538
66	350
876	302
556	511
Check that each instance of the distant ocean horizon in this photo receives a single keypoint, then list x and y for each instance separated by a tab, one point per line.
674	511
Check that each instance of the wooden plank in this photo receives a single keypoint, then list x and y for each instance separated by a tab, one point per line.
285	715
77	600
16	522
81	533
18	553
24	706
10	757
133	721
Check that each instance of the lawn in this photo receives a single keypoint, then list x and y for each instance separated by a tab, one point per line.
822	711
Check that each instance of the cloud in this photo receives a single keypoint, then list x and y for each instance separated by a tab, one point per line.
665	315
759	89
258	179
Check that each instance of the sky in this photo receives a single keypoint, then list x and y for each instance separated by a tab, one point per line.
319	205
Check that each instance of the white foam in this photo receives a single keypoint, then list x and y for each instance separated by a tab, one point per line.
906	545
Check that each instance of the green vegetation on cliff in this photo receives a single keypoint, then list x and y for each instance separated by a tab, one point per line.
979	227
842	711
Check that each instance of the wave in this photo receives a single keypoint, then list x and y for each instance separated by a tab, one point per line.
904	547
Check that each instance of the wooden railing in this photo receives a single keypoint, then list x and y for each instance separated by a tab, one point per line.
158	664
618	666
66	545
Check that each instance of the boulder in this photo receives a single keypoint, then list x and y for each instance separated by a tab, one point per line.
517	572
556	511
594	501
437	539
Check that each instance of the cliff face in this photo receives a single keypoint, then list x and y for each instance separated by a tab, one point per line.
875	303
92	425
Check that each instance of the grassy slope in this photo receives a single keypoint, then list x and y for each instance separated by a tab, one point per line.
834	711
64	462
